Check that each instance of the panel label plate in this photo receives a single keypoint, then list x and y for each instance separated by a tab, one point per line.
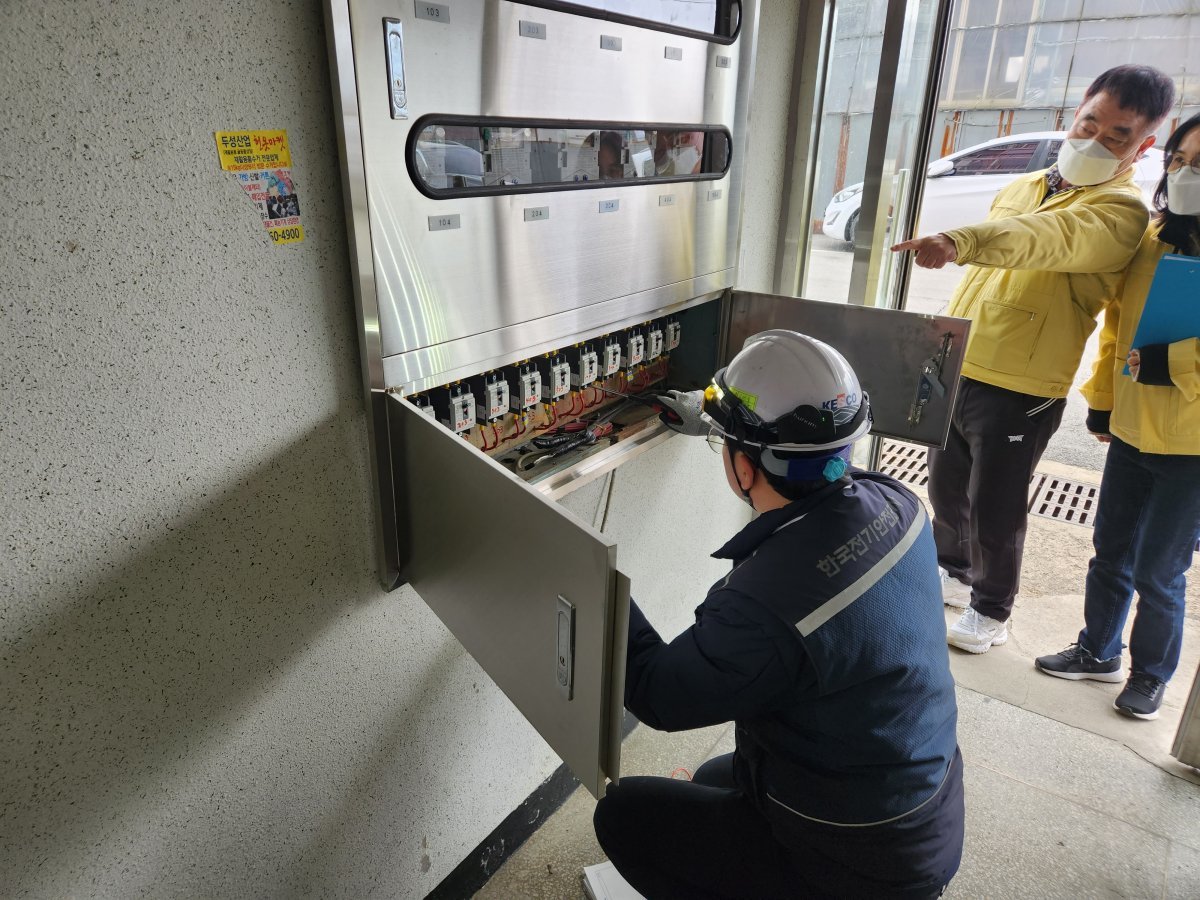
607	206
537	213
610	42
434	12
445	223
533	30
675	53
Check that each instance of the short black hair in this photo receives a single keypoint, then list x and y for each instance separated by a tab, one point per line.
1143	89
1179	231
792	490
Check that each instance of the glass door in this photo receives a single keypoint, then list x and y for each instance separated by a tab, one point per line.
870	84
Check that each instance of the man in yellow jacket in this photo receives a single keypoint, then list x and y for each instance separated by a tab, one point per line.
1039	271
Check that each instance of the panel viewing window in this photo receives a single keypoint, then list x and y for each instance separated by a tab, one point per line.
710	19
450	157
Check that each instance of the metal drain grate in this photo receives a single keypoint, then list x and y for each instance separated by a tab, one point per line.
904	462
1052	497
1064	500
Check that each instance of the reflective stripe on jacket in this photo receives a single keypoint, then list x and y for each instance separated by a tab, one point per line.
1037	276
1153	418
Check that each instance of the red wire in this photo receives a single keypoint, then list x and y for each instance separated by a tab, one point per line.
496	435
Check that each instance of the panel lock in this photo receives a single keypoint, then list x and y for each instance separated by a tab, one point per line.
929	382
393	32
565	648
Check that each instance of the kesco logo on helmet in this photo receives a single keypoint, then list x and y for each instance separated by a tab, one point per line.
843	407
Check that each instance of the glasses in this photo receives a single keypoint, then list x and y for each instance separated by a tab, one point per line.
716	440
1176	164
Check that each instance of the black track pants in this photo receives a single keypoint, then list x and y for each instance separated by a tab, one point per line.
703	840
979	488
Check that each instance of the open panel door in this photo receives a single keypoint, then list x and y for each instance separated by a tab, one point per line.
907	362
531	593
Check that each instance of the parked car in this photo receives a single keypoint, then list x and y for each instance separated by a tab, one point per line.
959	188
449	164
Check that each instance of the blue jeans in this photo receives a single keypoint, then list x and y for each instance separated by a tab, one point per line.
1147	523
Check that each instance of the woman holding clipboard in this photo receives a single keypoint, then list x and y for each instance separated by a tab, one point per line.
1144	401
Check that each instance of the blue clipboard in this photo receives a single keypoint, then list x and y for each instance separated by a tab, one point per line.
1172	311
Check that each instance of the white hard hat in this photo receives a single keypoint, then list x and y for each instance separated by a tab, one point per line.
788	392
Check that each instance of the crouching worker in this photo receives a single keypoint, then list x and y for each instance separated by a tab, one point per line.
825	645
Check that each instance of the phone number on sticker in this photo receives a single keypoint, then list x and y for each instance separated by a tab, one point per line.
286	235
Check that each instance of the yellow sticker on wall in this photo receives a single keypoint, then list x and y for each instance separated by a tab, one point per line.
248	151
269	185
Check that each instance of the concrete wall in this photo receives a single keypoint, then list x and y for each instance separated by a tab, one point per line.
203	692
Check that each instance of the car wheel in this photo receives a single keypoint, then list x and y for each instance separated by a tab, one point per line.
851	225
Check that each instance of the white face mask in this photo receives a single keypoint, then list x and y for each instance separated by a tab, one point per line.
1183	192
1083	161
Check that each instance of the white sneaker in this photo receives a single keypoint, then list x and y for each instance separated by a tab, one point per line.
976	633
954	592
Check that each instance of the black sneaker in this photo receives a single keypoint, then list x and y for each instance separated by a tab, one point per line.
1076	664
1142	696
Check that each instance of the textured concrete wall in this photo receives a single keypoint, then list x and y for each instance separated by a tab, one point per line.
203	692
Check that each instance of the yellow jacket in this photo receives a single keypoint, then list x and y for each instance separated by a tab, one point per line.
1153	418
1038	275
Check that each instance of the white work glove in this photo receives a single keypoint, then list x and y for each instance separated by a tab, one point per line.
683	411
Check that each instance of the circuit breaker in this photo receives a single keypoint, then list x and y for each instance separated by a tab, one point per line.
612	357
584	364
491	389
424	404
633	348
455	406
654	341
674	333
555	376
524	386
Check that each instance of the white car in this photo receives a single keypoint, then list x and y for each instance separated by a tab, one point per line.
959	188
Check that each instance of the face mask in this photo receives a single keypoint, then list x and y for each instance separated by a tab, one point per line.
1183	192
1084	162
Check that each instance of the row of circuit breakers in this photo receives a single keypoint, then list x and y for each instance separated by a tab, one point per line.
520	387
